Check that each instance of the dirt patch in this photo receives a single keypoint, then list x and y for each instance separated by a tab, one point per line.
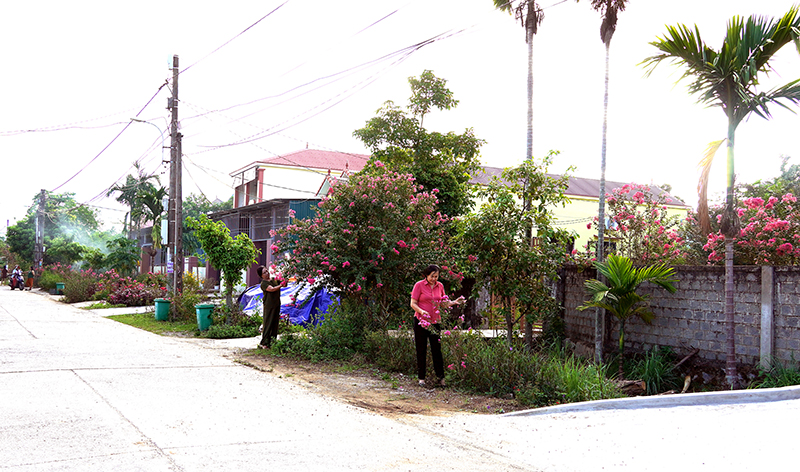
388	394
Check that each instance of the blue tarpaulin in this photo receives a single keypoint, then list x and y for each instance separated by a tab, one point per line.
310	311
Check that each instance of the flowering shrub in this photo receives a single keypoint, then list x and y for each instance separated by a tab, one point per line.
84	285
770	233
370	240
641	228
131	293
79	286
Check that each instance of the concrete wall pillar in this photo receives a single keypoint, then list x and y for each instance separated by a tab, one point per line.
767	318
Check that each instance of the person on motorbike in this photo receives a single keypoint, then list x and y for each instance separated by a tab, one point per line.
16	276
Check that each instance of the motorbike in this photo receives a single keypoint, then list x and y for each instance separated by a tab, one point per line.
17	282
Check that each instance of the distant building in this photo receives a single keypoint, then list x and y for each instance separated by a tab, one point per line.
266	190
584	196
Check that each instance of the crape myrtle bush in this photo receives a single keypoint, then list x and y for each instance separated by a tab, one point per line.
84	285
643	230
369	242
770	233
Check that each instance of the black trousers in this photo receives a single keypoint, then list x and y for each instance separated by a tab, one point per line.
421	337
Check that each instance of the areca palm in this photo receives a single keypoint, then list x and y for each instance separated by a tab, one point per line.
128	192
530	15
728	78
609	9
148	207
619	297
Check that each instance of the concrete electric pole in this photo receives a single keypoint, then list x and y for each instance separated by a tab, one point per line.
175	212
38	252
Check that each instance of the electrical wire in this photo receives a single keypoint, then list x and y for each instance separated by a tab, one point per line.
112	141
230	40
361	85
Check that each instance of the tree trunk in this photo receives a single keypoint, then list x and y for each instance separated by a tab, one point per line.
620	374
730	358
529	147
601	216
730	229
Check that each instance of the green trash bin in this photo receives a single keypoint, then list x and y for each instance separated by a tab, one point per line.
203	311
162	309
59	288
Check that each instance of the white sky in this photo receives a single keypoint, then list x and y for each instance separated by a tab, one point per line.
91	65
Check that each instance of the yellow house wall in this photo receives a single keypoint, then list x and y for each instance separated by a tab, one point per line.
580	212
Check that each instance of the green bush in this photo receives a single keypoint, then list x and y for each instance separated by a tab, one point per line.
656	369
227	323
565	378
488	365
182	306
780	375
341	336
48	280
223	331
394	353
79	286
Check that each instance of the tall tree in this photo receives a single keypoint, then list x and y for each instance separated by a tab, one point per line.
728	78
148	207
194	206
444	162
608	9
515	266
530	15
129	191
66	223
228	254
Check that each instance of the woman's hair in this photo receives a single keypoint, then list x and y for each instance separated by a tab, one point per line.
259	270
430	269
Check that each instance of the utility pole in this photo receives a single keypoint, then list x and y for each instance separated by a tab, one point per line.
175	212
38	251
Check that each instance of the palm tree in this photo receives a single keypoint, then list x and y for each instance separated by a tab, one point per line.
530	15
149	208
619	296
608	9
128	192
728	78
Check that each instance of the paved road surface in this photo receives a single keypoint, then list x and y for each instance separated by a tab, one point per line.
79	392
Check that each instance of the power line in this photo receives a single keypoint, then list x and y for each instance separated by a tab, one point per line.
112	141
227	42
361	85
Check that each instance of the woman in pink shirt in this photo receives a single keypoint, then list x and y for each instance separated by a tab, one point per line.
427	300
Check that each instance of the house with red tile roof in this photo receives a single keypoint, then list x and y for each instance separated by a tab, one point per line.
297	175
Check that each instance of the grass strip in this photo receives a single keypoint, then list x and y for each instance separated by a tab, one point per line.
147	322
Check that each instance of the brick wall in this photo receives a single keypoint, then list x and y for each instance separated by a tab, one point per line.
693	317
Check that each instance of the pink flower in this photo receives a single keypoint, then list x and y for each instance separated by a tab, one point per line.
402	243
345	264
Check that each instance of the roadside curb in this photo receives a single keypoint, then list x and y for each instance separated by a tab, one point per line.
670	401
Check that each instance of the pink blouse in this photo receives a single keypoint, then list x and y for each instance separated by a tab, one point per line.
426	296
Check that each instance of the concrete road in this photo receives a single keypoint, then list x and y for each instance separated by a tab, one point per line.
80	392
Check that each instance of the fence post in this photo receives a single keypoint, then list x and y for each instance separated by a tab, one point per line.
767	319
